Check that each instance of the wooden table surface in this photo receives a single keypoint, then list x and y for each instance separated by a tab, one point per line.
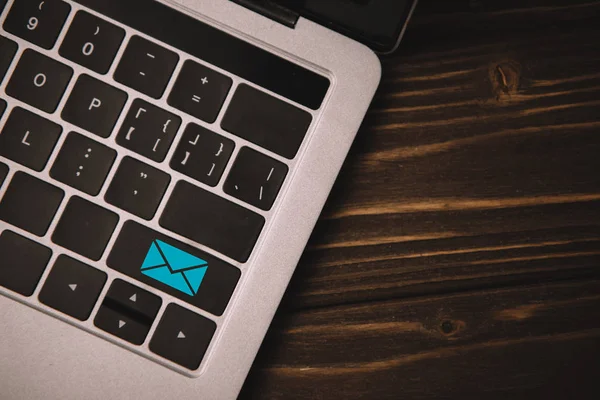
459	254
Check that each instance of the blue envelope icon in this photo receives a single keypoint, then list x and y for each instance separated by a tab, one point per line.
174	267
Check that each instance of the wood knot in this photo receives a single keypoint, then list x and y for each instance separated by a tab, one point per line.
505	77
450	327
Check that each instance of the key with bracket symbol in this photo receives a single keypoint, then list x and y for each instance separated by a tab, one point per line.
202	154
148	130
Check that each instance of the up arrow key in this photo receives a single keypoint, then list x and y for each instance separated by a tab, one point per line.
180	335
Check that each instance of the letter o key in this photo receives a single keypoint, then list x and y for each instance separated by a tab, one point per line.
39	80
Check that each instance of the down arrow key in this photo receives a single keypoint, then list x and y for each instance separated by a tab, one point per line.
118	322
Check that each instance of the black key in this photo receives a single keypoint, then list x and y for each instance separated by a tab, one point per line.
133	300
8	49
23	263
137	188
212	221
2	107
266	121
122	325
202	155
173	267
128	312
83	163
217	47
85	228
255	178
28	138
182	336
148	130
200	91
39	81
3	172
72	287
146	67
92	42
94	106
30	203
2	5
37	21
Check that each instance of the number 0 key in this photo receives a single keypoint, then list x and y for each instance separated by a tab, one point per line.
92	42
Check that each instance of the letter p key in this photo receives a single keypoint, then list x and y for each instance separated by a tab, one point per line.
96	103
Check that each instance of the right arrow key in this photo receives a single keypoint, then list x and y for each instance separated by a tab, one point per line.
182	336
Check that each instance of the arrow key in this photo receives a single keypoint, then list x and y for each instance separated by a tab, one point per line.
123	295
127	312
124	326
72	287
182	336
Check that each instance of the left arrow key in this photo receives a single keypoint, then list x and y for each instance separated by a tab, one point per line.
72	287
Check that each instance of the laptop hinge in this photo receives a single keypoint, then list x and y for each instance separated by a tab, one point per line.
272	10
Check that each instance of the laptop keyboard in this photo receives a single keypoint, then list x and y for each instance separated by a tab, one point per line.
138	167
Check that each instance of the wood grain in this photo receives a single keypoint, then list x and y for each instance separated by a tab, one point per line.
477	163
459	253
520	343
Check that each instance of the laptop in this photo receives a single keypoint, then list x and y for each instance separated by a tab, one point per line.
162	165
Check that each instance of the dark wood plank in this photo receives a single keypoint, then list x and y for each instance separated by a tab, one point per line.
459	254
478	164
520	343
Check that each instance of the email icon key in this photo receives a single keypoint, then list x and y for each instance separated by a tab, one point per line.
176	268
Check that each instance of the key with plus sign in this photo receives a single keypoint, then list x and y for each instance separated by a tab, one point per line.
200	91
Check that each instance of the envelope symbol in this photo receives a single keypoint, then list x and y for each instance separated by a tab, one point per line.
174	267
